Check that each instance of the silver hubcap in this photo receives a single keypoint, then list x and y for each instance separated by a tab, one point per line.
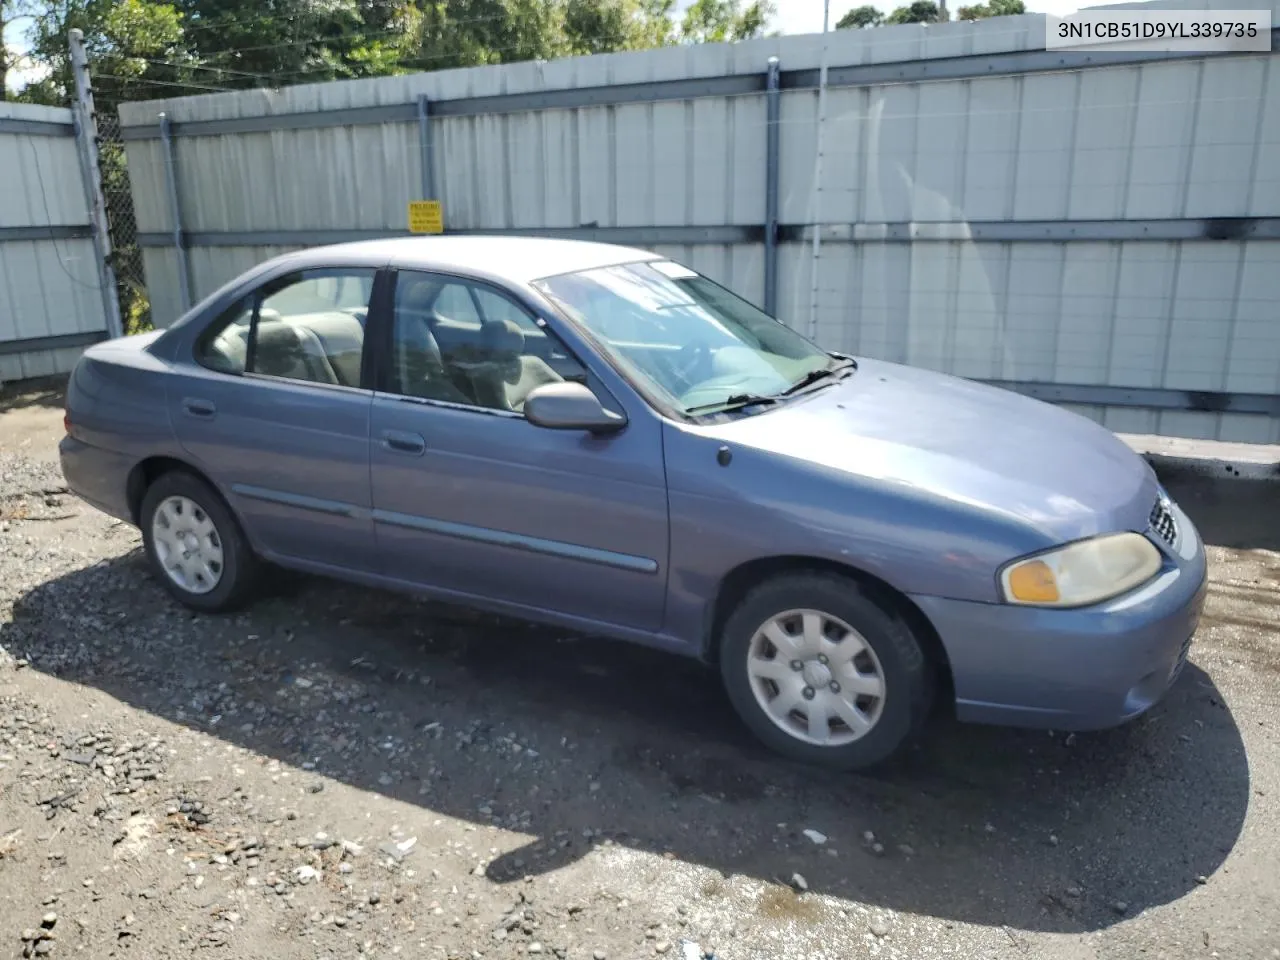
187	544
816	678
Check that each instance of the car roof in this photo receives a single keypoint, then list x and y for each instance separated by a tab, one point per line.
512	258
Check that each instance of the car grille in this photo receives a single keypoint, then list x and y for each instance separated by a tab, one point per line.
1162	522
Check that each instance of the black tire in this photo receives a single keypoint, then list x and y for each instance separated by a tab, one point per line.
240	573
908	675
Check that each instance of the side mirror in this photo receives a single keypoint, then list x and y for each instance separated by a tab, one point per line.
569	406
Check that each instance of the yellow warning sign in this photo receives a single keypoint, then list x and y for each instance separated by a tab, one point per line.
426	216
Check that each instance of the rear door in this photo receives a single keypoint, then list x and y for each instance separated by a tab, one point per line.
273	407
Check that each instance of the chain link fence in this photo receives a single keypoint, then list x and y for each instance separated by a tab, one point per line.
126	255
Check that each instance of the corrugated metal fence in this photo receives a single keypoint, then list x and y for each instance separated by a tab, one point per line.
1099	230
51	286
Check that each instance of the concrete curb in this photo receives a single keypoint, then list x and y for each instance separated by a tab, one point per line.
1213	459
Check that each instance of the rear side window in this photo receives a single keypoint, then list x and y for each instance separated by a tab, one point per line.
306	326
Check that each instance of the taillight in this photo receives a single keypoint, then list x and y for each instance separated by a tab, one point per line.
66	422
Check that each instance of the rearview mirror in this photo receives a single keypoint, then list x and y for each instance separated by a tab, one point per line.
570	406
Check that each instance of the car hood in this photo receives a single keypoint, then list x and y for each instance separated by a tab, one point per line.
984	448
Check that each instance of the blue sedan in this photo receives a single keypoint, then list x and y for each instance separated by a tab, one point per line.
601	438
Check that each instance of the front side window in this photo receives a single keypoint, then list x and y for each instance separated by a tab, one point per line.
305	326
695	344
466	343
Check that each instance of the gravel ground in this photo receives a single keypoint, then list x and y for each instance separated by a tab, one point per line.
342	772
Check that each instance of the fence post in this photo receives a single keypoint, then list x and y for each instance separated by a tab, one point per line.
424	147
86	128
773	97
171	178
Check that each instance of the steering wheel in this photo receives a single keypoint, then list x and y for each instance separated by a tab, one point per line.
689	359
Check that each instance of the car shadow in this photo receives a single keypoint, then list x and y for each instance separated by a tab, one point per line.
49	392
576	742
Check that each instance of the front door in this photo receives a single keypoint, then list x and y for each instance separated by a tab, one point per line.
274	411
472	499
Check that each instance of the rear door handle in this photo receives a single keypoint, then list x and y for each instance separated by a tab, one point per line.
196	407
402	441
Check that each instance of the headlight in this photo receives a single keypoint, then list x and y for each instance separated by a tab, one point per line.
1081	573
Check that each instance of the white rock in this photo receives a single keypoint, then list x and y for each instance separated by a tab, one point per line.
815	836
133	840
306	873
799	882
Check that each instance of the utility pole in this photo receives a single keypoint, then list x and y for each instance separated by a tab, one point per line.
817	175
87	138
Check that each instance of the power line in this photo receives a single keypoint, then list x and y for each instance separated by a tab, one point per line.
200	66
162	83
353	35
415	33
337	66
293	18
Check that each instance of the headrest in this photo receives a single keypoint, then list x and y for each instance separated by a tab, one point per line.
414	333
502	340
418	295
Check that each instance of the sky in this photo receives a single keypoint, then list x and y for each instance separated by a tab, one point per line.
793	16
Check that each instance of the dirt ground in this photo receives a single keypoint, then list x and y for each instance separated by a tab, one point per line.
342	772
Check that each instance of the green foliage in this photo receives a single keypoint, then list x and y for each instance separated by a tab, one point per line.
860	18
996	8
599	26
122	38
146	49
920	11
718	21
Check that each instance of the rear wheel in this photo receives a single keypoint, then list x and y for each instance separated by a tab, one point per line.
824	673
195	545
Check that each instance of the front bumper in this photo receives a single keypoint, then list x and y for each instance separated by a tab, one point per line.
1084	669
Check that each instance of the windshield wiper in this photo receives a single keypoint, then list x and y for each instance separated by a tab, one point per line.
735	402
813	376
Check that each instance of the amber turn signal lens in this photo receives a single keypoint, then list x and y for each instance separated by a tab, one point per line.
1033	583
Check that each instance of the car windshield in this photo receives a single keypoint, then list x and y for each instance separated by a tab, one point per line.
698	346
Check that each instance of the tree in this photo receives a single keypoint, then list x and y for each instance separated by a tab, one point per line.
920	11
145	49
4	51
124	41
718	21
241	44
599	26
995	8
859	18
11	12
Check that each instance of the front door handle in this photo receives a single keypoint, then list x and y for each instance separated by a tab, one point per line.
197	407
401	441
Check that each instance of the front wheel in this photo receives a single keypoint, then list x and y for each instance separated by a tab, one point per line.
195	545
823	673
